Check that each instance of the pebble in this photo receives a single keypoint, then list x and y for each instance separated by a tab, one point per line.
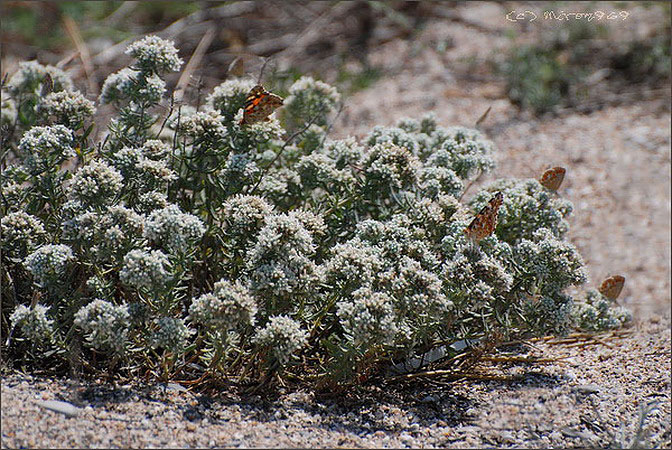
65	408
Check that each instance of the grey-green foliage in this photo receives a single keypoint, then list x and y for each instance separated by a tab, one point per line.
193	237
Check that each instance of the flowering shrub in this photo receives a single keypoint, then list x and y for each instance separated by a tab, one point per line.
195	239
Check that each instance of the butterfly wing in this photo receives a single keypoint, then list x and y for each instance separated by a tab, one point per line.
552	178
612	287
485	222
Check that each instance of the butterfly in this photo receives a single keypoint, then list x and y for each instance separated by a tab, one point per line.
612	287
486	220
552	178
259	105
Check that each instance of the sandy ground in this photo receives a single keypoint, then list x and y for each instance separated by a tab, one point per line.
618	162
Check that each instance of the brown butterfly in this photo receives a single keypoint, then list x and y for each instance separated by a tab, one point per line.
612	287
552	178
486	220
259	105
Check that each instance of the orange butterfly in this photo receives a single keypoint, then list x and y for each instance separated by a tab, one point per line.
612	287
552	178
486	220
259	105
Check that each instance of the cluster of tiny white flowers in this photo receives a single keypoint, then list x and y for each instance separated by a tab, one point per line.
369	317
106	324
227	307
98	286
393	135
239	167
310	99
155	55
258	133
597	313
283	335
21	232
68	108
229	97
175	230
280	262
318	170
125	160
551	259
46	147
96	183
48	262
208	126
145	269
440	180
155	149
353	262
154	174
344	152
151	89
242	216
34	323
30	76
119	86
527	207
390	166
171	334
149	201
278	184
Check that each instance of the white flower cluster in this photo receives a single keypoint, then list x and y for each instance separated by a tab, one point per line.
46	147
597	313
155	55
171	334
34	323
229	306
527	207
229	97
283	335
318	170
242	216
68	108
205	126
30	76
394	135
174	230
344	152
146	269
155	149
240	168
388	166
133	86
105	235
119	86
279	263
353	263
310	99
369	318
21	233
107	324
550	259
96	183
149	201
258	134
48	263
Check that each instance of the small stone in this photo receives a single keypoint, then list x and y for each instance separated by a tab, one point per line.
65	408
191	426
588	388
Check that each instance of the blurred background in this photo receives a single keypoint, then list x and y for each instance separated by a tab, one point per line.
589	92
